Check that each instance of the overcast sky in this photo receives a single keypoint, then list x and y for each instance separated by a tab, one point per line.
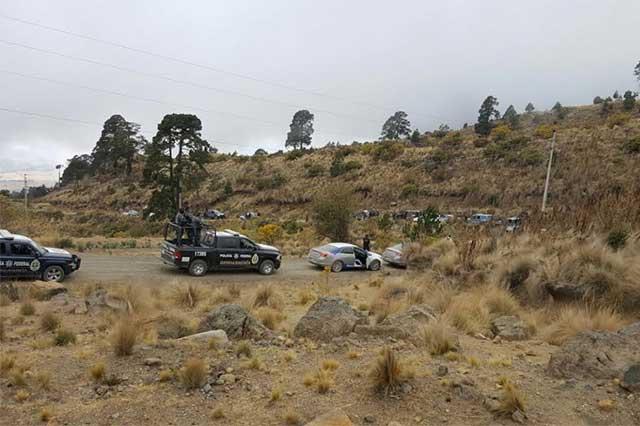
353	64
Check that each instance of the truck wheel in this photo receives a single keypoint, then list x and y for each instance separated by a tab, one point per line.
337	266
198	268
267	267
53	273
374	266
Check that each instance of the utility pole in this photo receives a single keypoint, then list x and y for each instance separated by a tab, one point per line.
546	182
26	193
59	167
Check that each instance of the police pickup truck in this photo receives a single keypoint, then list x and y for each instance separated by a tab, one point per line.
21	257
217	250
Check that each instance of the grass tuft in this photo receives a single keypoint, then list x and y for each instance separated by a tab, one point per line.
98	371
386	373
27	309
124	337
438	338
49	321
193	374
64	337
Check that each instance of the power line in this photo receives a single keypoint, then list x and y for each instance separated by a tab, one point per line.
177	81
198	65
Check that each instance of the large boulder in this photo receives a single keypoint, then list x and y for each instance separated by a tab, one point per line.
401	325
564	291
329	317
235	321
597	354
100	298
510	327
45	290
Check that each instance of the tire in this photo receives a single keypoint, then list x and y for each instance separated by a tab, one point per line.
198	268
375	265
337	266
267	267
53	273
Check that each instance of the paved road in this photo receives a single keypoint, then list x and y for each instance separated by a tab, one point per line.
136	267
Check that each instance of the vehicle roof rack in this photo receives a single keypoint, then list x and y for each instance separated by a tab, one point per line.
5	235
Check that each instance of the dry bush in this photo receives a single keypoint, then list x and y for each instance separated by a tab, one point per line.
218	414
292	418
323	380
500	302
3	335
98	371
416	296
254	363
387	373
573	320
439	338
187	296
4	300
133	297
353	354
289	356
391	298
269	317
330	364
165	376
511	400
193	374
243	348
27	309
467	313
390	307
49	321
267	296
17	377
45	415
516	272
173	327
124	336
64	337
447	264
276	394
233	290
305	296
22	395
6	364
43	380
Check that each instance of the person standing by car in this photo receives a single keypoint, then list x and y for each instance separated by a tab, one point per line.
366	243
180	220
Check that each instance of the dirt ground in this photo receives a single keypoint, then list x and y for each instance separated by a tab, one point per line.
270	387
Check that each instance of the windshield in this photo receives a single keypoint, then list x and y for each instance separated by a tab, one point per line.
329	248
38	247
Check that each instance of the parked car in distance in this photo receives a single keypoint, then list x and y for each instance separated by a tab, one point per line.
21	257
248	215
445	218
394	255
366	214
213	214
480	218
513	224
131	213
340	256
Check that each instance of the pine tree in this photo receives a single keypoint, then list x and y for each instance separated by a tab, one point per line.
511	117
415	137
301	129
529	108
119	142
397	125
559	110
629	100
485	114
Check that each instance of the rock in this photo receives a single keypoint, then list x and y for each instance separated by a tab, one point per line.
510	328
562	291
45	290
227	379
235	321
369	419
597	354
327	318
152	362
518	417
333	418
100	298
403	325
442	371
219	336
631	378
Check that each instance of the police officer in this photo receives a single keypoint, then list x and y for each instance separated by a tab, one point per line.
180	220
366	243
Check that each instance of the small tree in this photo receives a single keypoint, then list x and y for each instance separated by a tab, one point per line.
629	100
333	213
559	110
636	71
442	131
511	117
415	137
77	168
426	225
301	130
485	114
260	153
607	107
529	108
397	125
597	100
616	95
119	142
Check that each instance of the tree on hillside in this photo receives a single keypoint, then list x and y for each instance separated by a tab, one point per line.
529	108
442	131
636	71
597	100
333	212
616	95
511	117
397	125
485	114
607	106
559	110
79	166
629	100
119	142
260	152
177	153
301	129
415	137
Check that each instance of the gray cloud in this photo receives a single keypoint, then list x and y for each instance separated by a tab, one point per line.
435	60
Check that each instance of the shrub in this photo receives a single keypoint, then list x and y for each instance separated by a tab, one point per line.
438	338
543	131
511	400
387	151
27	309
500	132
618	119
323	380
409	190
273	182
631	146
333	212
243	349
292	227
98	371
330	364
270	233
294	154
124	337
49	321
617	239
6	364
340	167
22	395
64	337
572	321
218	414
386	373
193	374
314	170
43	380
269	317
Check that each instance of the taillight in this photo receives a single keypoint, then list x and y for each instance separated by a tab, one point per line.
177	255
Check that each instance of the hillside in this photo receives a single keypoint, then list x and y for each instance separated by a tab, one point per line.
595	158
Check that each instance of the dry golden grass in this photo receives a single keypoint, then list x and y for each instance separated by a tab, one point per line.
233	290
193	374
309	380
3	334
22	395
573	320
500	302
17	377
98	371
387	373
353	354
218	414
45	415
276	394
305	296
187	296
4	300
124	337
43	380
330	364
269	317
324	381
439	338
165	376
173	326
266	296
134	297
289	356
49	321
468	314
6	364
511	400
27	309
254	363
64	337
291	417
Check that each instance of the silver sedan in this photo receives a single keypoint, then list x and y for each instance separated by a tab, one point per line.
394	255
339	256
